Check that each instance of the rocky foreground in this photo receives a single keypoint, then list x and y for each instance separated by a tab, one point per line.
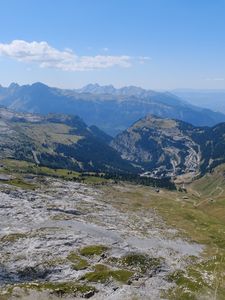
70	240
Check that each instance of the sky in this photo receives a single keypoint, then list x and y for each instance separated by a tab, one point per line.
155	44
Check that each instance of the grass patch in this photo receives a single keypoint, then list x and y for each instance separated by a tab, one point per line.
100	268
93	250
204	278
13	237
203	225
58	288
19	182
94	180
103	274
24	167
141	262
55	262
78	262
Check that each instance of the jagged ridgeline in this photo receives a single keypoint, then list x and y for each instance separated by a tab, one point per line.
112	110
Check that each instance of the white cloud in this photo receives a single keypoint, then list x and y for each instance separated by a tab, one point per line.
48	57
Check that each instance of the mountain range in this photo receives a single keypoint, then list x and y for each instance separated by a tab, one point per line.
112	110
161	147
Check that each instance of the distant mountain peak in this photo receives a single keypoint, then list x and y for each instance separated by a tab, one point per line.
95	88
39	85
91	85
125	91
13	85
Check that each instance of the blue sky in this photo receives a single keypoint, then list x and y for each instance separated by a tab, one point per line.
156	44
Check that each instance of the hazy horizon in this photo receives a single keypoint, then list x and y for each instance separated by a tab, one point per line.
116	86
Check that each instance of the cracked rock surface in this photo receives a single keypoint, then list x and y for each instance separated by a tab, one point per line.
40	228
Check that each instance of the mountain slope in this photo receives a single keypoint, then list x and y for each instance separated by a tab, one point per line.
112	110
58	141
163	147
168	147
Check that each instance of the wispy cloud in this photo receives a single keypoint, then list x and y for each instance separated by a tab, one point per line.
142	59
47	56
216	79
105	49
219	79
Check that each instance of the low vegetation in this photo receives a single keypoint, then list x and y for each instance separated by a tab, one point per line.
95	178
58	288
12	237
103	274
78	262
93	250
199	218
20	168
141	262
